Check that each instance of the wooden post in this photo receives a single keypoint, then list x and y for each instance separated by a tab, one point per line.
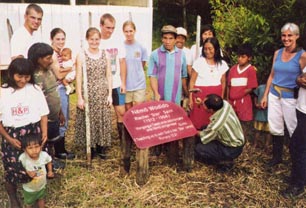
142	172
188	153
198	37
125	146
172	152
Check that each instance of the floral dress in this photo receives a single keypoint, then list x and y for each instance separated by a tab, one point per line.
99	111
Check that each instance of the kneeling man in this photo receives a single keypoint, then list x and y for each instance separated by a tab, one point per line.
223	139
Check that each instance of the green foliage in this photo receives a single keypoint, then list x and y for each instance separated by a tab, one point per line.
235	25
258	23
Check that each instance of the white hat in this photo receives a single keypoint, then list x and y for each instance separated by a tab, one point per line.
181	31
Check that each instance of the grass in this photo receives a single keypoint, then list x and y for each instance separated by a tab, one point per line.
249	184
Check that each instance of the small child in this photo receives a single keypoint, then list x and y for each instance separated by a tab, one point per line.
242	80
35	161
261	118
67	65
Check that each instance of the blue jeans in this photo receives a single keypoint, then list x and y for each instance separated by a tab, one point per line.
65	108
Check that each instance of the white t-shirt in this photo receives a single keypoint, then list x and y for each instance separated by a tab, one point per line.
23	106
209	75
193	52
116	51
188	55
22	40
39	166
301	101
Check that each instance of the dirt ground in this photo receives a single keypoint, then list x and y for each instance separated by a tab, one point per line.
249	184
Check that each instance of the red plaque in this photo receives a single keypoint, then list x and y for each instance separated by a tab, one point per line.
157	122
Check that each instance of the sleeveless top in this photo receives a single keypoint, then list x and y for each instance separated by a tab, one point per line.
285	73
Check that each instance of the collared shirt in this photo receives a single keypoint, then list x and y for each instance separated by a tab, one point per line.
169	68
225	127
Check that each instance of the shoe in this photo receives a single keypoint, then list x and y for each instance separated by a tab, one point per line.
55	139
57	164
293	191
274	162
65	155
288	179
225	167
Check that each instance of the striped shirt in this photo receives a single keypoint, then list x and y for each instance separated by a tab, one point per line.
225	127
169	68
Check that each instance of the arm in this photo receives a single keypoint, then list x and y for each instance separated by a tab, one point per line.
123	75
13	141
79	78
264	100
57	69
223	84
185	88
44	128
50	173
144	64
154	87
193	78
301	80
110	82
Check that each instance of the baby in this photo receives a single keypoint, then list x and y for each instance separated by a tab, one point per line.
67	65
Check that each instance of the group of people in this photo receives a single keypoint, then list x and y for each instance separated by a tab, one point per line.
111	73
220	99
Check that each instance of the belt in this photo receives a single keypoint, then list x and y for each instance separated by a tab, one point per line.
280	90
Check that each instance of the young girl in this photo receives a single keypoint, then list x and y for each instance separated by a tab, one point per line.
136	57
94	63
23	110
34	160
261	118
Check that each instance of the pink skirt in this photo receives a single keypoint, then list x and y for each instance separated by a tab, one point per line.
198	115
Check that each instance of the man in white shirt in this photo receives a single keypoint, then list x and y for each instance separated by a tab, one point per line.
25	36
180	43
116	51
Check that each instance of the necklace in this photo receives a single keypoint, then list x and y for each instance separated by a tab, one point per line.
212	68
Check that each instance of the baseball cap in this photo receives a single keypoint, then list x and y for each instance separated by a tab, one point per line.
168	29
181	31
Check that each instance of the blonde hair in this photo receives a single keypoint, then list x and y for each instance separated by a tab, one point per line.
129	22
91	31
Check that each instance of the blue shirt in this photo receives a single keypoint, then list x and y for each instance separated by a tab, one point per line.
135	55
285	73
169	68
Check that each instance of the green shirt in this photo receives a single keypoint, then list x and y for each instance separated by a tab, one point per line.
46	80
225	127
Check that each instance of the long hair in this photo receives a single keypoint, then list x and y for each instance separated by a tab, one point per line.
19	66
39	50
217	56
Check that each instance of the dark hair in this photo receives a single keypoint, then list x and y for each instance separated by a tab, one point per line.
56	31
28	139
207	28
39	50
20	66
214	102
172	33
245	49
35	7
214	41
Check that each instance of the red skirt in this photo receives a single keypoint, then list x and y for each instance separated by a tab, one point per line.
198	115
